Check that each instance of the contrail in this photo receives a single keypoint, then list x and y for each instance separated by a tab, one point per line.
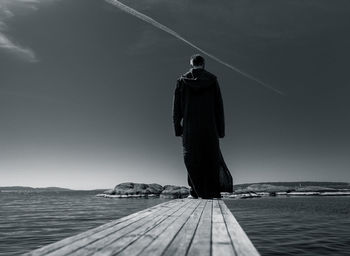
156	24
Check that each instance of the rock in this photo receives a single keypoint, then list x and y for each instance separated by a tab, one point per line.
130	188
298	193
141	190
171	191
109	192
228	195
154	188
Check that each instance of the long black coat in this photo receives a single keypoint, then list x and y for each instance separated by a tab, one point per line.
198	104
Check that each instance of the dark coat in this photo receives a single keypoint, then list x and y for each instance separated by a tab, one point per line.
198	104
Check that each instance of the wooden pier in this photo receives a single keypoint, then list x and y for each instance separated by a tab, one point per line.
181	227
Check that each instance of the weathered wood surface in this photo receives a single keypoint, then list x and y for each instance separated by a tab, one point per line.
177	227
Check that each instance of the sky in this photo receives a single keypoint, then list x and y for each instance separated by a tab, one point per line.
86	90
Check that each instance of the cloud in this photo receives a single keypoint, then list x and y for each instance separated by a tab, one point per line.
24	53
7	44
168	30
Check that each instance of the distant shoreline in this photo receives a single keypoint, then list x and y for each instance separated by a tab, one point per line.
247	190
283	194
24	189
304	188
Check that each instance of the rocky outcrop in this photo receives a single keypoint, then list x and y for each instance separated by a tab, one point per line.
130	188
141	190
109	192
171	191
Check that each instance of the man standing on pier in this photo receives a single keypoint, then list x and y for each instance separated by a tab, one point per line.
198	105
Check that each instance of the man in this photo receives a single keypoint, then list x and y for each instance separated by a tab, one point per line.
198	104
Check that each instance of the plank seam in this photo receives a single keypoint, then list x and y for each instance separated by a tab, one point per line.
147	230
116	232
195	230
180	229
225	221
99	229
177	233
113	232
168	227
153	237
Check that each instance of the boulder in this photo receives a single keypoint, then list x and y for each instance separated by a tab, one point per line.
109	192
142	190
171	191
130	188
154	188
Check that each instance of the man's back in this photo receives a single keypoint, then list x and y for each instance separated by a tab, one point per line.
201	104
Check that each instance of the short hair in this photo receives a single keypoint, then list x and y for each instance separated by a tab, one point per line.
197	60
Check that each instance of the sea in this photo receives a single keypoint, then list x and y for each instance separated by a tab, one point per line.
311	226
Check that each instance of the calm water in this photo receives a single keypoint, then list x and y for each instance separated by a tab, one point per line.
312	226
31	220
277	226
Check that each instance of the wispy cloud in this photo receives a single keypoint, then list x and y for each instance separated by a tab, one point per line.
168	30
8	44
24	53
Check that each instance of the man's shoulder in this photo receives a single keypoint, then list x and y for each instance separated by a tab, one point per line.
205	73
185	75
209	75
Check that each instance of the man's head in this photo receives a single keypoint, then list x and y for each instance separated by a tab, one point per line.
197	61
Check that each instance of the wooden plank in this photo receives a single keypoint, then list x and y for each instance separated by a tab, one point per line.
242	244
146	239
183	238
201	243
100	240
116	242
163	238
221	242
116	224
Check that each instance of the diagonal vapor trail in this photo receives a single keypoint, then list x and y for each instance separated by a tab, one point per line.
156	24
